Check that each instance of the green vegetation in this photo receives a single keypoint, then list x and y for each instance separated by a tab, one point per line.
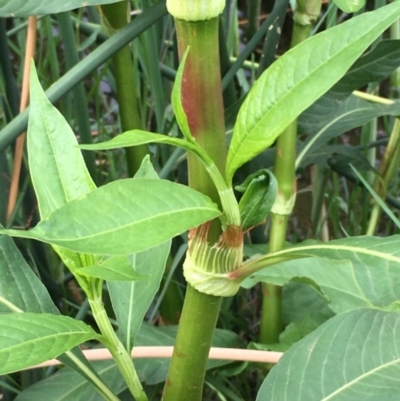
164	179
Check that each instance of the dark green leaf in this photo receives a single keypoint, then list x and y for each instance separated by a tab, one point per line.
351	113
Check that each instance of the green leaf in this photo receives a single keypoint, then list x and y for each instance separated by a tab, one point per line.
300	300
350	114
115	268
337	111
354	356
146	169
21	290
67	385
124	217
57	168
338	158
375	65
351	273
131	300
138	137
298	78
27	339
350	6
25	8
260	189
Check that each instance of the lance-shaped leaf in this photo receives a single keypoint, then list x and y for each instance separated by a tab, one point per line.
139	137
124	217
57	168
131	300
351	273
27	339
375	65
25	8
298	78
260	189
354	356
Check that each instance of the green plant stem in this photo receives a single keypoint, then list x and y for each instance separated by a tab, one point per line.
253	14
100	386
388	167
192	345
113	344
284	169
202	101
116	17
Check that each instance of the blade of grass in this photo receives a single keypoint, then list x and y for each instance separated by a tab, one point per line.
378	199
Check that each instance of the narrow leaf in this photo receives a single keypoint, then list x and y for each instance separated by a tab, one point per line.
27	339
354	356
378	199
131	300
298	78
375	65
57	168
138	137
124	217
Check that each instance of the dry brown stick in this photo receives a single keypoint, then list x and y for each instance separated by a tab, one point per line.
19	147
